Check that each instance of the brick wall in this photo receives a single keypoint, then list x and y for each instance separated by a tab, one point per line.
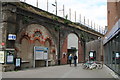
64	50
80	51
113	11
94	46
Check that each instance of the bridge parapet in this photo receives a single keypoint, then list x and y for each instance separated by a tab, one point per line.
53	17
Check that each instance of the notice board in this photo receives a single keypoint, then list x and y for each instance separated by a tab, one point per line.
40	53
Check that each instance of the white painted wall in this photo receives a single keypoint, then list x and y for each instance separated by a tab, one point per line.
73	42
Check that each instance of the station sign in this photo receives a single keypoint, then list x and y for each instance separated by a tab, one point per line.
11	37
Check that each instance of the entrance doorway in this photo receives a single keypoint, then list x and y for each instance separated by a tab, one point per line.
72	46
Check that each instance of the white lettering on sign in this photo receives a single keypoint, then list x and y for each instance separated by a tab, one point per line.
11	37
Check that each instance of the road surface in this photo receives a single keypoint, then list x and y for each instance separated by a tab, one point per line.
63	71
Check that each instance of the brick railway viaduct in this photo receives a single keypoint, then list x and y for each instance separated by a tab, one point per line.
35	27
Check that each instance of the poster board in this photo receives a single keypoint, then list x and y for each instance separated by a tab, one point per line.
117	55
17	62
91	54
9	59
2	57
40	53
45	53
10	56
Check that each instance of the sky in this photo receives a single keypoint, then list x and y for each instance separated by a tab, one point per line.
91	10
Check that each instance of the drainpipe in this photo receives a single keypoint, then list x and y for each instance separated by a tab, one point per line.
1	47
59	58
84	50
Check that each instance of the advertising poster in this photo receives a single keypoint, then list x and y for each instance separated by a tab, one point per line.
9	56
18	62
117	55
2	57
10	59
91	54
45	53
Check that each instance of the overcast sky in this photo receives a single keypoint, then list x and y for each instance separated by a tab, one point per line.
94	10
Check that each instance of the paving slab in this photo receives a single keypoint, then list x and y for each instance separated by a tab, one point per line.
63	71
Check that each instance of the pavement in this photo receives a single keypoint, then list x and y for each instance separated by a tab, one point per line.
0	71
63	71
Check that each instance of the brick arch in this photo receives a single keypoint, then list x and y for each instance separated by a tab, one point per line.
77	34
47	44
38	28
37	42
33	41
36	32
66	35
64	48
51	49
49	40
26	31
25	44
28	34
37	37
24	36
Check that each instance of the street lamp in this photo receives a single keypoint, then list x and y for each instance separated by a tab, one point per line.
47	5
63	11
37	3
55	5
80	17
70	13
75	16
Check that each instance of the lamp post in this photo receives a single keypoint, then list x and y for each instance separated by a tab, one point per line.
55	5
63	11
37	3
88	22
47	5
80	18
75	16
70	13
84	20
